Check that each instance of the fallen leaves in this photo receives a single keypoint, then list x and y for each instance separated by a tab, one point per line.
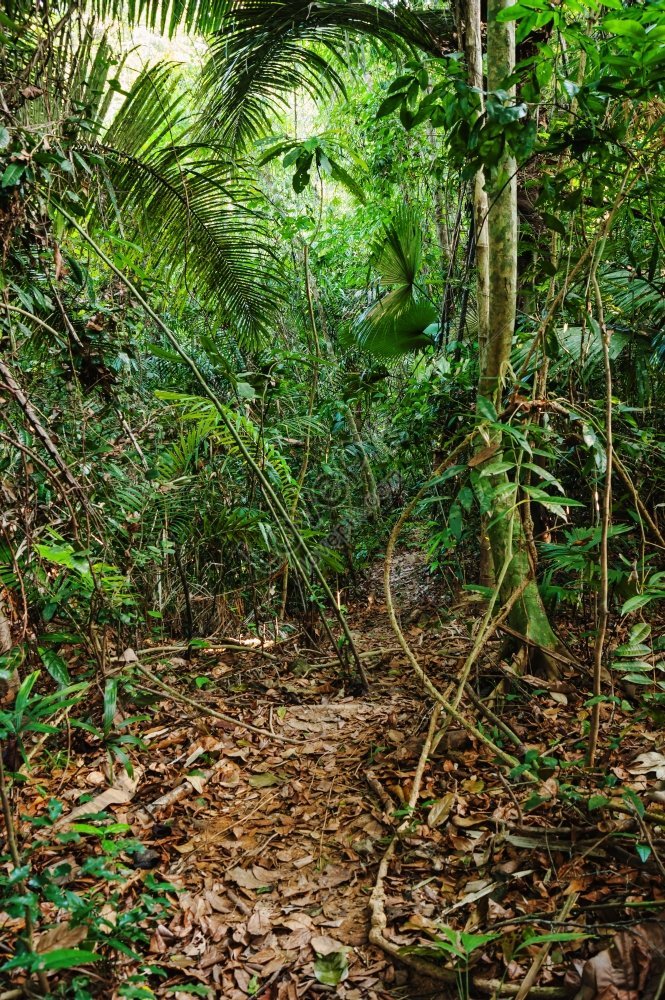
256	878
632	968
273	849
121	792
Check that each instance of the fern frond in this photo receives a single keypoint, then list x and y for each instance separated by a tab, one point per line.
210	425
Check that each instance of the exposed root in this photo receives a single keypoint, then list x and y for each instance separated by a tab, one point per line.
438	973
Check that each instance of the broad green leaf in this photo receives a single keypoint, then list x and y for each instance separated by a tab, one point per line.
632	665
245	390
12	174
632	649
496	468
643	852
56	666
66	958
332	969
110	703
636	602
625	27
554	936
639	632
485	409
60	958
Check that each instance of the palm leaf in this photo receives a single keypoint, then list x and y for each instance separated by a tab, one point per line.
193	208
165	16
267	49
397	325
402	320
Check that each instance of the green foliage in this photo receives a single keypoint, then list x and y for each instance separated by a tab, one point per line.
190	203
315	153
403	319
322	280
261	54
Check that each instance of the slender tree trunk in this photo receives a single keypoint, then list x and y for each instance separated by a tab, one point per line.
506	534
473	47
471	31
502	220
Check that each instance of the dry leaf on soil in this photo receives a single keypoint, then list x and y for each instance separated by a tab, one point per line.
120	793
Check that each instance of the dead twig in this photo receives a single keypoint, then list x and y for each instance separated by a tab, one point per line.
526	988
382	795
186	700
182	790
236	647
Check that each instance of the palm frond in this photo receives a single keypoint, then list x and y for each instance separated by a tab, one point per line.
165	16
640	302
192	206
397	325
402	320
267	49
400	252
583	349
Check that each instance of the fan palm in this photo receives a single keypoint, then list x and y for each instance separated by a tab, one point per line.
402	319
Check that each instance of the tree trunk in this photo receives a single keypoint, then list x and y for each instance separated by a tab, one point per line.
9	679
506	534
470	31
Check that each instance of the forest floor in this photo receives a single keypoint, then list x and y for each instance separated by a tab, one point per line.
274	846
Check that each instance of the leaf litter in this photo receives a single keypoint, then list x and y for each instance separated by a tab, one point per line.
272	849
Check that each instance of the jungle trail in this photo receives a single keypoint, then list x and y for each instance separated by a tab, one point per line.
332	455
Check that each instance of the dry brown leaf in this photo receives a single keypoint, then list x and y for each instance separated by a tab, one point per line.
649	762
197	781
259	923
254	879
60	936
120	793
630	969
440	810
482	456
218	903
325	945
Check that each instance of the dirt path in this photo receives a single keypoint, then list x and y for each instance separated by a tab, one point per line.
274	846
277	852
